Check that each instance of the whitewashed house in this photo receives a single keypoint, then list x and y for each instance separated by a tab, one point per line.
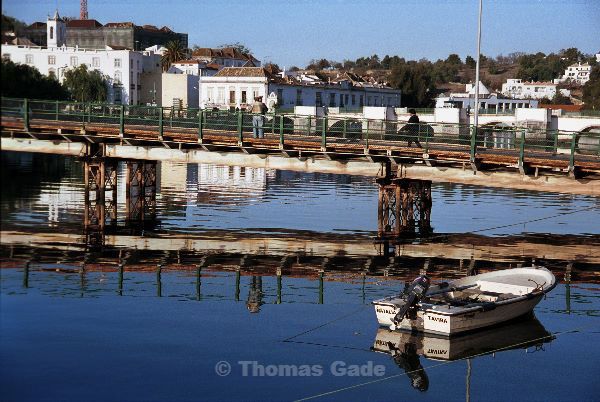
122	68
194	67
236	87
487	100
516	88
576	73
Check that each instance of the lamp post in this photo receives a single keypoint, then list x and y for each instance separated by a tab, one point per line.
476	117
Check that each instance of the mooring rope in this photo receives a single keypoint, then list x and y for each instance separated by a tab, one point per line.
327	323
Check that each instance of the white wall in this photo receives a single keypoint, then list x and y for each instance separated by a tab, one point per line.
126	64
180	86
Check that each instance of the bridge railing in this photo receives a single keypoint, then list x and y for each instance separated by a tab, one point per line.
326	130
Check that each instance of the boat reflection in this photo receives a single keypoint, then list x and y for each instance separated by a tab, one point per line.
407	348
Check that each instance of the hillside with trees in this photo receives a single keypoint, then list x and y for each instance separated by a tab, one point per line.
422	80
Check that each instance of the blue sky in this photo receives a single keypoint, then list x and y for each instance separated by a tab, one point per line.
292	32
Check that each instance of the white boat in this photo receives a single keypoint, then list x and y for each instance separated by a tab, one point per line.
465	304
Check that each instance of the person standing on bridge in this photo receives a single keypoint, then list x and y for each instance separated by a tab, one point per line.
413	128
258	120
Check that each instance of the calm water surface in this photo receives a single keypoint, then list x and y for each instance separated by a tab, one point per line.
150	332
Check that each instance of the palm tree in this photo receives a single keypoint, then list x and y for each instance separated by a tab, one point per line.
175	52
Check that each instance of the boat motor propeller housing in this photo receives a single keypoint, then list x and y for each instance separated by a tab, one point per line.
411	296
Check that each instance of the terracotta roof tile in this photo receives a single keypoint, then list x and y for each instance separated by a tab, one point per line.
242	72
83	24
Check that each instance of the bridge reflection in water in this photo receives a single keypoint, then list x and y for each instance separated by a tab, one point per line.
244	261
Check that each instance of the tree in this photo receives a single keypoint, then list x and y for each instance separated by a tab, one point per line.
85	85
416	82
591	90
23	81
454	59
175	52
239	46
470	62
572	55
10	24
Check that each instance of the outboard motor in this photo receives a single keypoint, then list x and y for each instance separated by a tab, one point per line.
415	292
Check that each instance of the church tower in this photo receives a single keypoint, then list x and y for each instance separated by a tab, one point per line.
56	31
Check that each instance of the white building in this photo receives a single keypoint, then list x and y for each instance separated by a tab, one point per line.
577	73
516	88
122	68
194	67
226	57
487	100
236	87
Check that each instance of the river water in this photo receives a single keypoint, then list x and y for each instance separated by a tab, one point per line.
256	284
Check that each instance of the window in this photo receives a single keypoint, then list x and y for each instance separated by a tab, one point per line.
232	96
51	32
51	59
118	95
29	58
117	63
318	100
353	99
299	97
341	100
209	94
331	100
361	101
280	96
96	62
117	78
220	95
52	73
244	97
73	60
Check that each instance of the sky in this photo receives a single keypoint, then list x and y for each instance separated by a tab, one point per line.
293	32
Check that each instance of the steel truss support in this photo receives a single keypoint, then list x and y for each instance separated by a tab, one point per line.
140	193
404	207
100	178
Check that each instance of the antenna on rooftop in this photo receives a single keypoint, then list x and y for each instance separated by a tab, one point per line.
83	13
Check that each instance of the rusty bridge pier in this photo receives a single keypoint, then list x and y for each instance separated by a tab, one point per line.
140	191
101	209
404	208
100	177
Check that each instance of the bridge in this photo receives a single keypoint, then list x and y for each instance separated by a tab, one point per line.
103	134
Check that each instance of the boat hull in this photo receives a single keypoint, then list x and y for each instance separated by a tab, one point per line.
435	322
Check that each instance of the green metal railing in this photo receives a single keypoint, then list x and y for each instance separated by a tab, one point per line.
325	130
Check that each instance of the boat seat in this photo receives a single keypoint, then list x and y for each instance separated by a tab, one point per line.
501	288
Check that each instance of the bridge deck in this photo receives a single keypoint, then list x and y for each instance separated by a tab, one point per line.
296	144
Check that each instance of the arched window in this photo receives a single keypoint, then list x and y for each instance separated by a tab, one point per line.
51	32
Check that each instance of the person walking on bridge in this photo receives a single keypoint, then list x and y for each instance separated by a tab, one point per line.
413	128
258	119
